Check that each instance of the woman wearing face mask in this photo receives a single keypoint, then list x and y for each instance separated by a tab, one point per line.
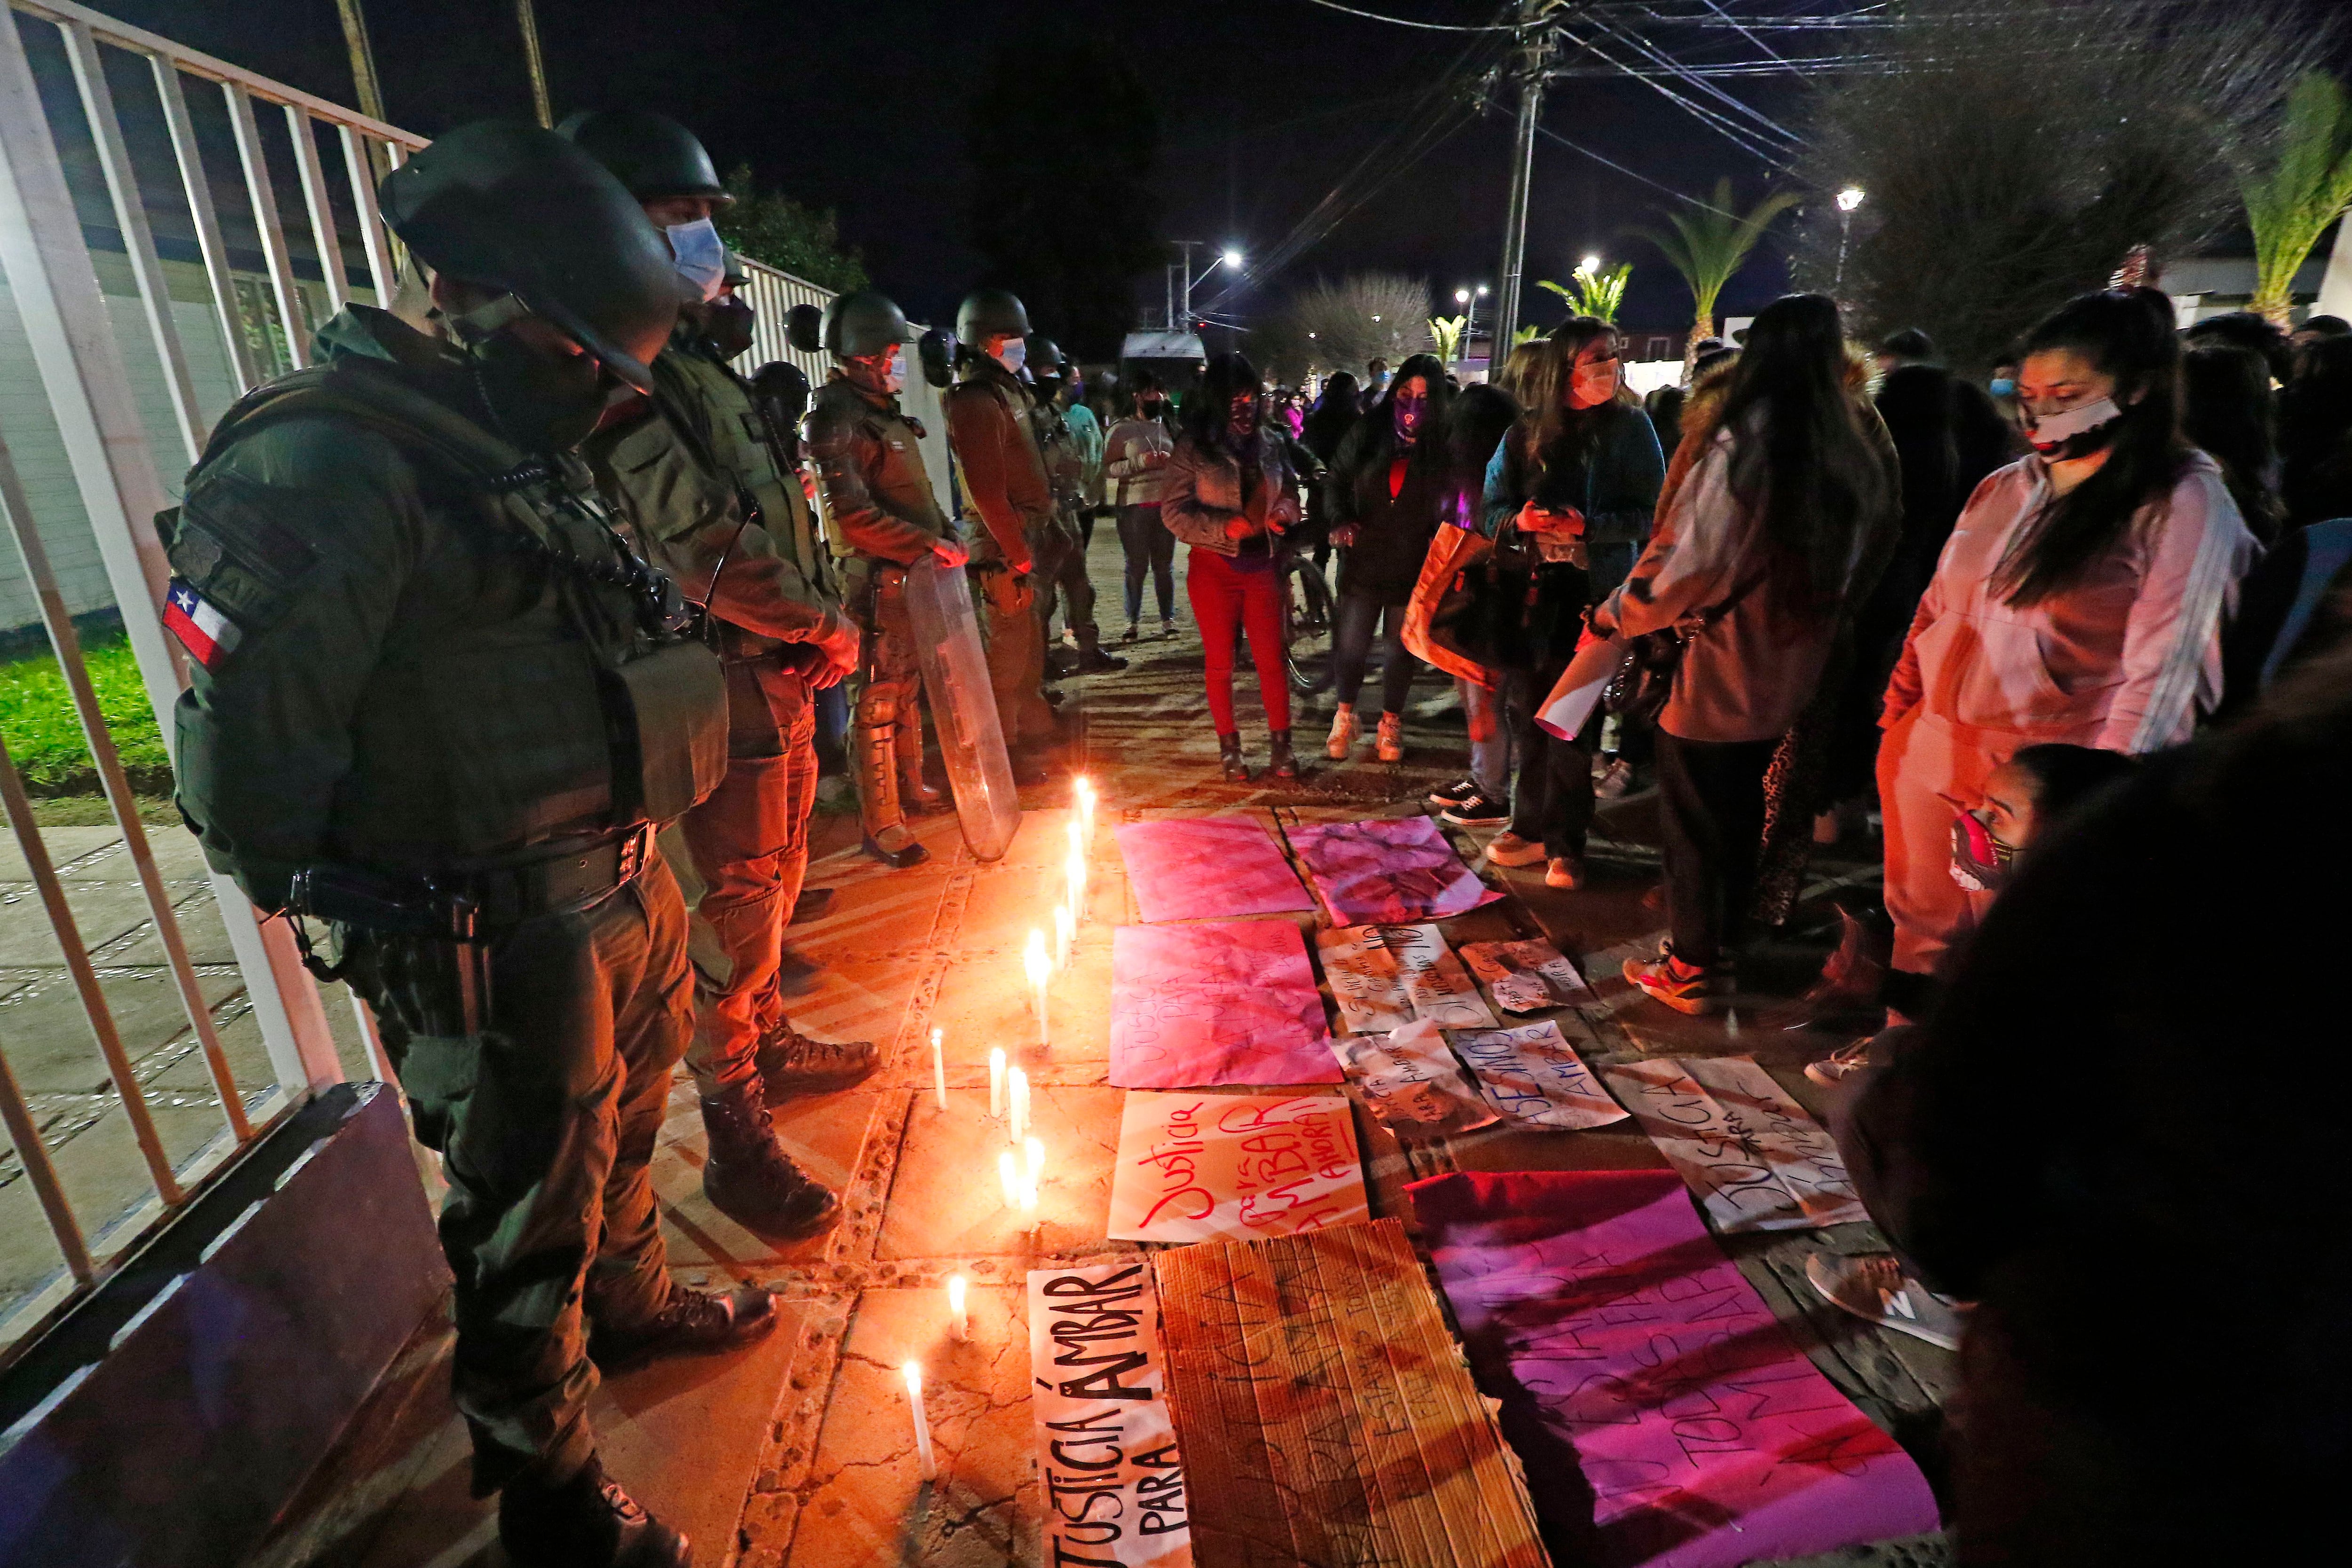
1135	458
1383	499
1569	491
2080	601
1230	491
1783	517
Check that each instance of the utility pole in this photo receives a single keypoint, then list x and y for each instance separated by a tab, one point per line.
355	38
1184	247
538	63
1533	48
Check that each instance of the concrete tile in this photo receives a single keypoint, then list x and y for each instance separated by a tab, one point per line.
102	912
890	911
201	931
866	1502
48	1036
824	1134
860	999
984	1000
948	1202
65	845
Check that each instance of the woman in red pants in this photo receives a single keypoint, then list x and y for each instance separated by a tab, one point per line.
1230	493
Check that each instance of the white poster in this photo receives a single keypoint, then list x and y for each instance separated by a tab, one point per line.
1526	976
1106	1460
1411	1082
1752	1156
1385	977
1532	1074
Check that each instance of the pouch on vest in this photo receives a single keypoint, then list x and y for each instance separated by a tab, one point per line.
669	709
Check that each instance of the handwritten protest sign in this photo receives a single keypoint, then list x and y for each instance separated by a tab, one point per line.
1389	871
1532	1074
1218	1003
1206	1167
1208	867
1412	1081
1106	1457
1622	1339
1384	977
1752	1156
1526	976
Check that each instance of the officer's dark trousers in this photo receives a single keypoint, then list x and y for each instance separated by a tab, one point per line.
546	1125
750	846
1017	656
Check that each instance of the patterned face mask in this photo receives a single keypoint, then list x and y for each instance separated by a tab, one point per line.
1980	863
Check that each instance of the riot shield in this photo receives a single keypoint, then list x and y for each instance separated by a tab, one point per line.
963	707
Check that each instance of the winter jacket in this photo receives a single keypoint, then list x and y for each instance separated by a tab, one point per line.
1133	481
1086	431
1206	489
2125	658
1005	488
1392	496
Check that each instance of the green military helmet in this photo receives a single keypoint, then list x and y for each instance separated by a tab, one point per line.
862	323
988	313
508	206
1046	357
651	153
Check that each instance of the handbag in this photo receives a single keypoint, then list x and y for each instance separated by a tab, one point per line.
1640	690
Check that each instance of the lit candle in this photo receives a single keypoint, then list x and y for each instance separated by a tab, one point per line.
959	1322
1018	1128
1065	934
923	1455
1032	957
938	1069
996	1084
1077	875
1008	1171
1028	1206
1085	792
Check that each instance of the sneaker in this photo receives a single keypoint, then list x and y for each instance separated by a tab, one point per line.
1565	871
1453	794
1685	988
1342	738
1507	848
1614	782
1131	632
1474	810
1841	1064
1875	1288
1167	629
693	1321
1389	744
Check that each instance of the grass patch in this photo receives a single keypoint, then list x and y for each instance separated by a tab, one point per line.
37	714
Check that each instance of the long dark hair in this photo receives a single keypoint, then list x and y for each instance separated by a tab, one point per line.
1208	413
1334	414
1480	417
1364	457
2227	409
2315	434
1804	475
2128	334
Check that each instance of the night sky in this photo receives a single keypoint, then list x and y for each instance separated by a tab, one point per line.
859	107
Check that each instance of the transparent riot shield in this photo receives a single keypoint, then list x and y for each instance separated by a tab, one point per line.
963	707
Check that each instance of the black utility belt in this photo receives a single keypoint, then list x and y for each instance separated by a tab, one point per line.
559	884
467	905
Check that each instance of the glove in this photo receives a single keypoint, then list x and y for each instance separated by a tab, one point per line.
840	648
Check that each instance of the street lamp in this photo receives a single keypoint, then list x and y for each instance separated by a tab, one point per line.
1232	258
1589	264
1847	200
1469	301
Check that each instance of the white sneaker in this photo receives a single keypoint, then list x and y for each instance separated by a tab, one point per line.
1507	848
1841	1064
1875	1288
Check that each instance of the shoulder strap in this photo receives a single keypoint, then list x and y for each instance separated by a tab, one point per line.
355	390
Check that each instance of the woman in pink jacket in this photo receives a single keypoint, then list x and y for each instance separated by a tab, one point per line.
2080	601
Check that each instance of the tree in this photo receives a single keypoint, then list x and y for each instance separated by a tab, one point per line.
1708	246
1594	293
1063	139
1344	325
1446	332
2306	187
770	227
2008	166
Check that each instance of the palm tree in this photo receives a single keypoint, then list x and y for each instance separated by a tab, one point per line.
2307	187
1709	245
1595	293
1447	332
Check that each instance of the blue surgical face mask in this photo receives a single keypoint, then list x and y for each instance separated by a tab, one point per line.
2003	386
699	258
1012	354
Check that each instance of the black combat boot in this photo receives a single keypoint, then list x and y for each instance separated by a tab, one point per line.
1229	756
588	1521
1279	762
749	1178
811	905
791	1063
692	1321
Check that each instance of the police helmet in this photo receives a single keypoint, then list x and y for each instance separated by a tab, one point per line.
651	153
988	313
862	323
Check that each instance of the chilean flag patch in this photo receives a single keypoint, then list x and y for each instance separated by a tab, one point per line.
203	631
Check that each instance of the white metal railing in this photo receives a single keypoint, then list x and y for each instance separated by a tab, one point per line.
83	356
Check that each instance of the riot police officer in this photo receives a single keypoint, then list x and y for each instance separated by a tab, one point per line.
1009	502
440	702
692	465
1062	551
881	506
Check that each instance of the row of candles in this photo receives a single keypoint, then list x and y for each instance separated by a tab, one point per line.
1019	1167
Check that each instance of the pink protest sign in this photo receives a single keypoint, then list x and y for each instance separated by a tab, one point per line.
1223	1001
1619	1337
1391	870
1208	867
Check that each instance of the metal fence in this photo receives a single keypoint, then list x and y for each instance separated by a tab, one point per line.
172	228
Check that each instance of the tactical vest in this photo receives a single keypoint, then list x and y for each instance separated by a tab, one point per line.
492	738
898	483
742	448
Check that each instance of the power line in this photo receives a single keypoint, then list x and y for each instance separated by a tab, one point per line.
1629	174
1409	22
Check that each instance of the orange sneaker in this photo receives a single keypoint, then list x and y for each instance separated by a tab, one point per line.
1685	988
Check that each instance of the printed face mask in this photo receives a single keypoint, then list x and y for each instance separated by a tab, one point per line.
699	258
1012	354
1980	863
2073	432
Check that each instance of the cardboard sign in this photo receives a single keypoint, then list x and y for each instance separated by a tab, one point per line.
1107	1459
1751	1155
1526	976
1532	1074
1390	871
1327	1414
1622	1341
1203	1167
1411	1082
1223	1001
1208	867
1384	977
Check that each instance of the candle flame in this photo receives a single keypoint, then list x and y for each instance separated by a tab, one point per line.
914	1371
956	1287
1033	959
